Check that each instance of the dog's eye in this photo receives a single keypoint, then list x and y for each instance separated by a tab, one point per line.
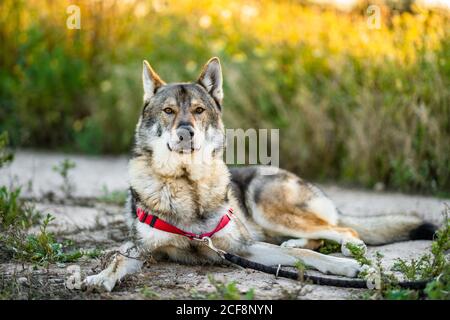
199	110
168	110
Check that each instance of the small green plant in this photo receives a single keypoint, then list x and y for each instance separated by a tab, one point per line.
301	267
384	284
429	266
10	288
14	212
401	294
5	155
42	248
415	269
93	254
117	197
439	288
358	254
228	291
330	246
63	168
149	293
17	216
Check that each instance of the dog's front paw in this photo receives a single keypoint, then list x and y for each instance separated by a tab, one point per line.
360	245
99	282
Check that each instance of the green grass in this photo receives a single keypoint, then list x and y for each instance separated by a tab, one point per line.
330	246
429	265
439	289
228	291
63	168
148	293
434	267
14	212
42	248
117	197
223	291
372	105
16	218
358	254
5	155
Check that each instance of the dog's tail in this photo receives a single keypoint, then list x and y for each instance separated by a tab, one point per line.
383	229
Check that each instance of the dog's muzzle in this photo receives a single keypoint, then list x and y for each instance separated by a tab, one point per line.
183	141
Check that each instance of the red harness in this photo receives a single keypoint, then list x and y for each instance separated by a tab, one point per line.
157	223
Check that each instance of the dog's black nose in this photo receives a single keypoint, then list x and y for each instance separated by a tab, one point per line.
185	132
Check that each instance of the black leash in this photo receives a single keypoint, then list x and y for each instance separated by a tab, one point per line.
343	283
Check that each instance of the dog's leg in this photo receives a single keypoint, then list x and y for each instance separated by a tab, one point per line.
337	234
270	254
123	264
283	204
301	229
302	243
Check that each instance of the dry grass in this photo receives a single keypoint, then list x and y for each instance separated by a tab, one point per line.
354	104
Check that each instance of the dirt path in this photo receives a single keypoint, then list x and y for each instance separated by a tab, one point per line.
99	225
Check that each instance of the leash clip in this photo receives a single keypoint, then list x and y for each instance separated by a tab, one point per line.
208	242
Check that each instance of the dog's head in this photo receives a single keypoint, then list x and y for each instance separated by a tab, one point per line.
182	118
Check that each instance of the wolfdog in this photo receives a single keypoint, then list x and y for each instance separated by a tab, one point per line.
181	191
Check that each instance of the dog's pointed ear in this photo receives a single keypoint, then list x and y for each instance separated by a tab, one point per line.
211	79
150	80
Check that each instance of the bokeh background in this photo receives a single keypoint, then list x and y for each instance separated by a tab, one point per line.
357	105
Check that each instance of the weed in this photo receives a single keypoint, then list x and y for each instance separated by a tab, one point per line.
434	265
429	265
401	294
227	291
196	295
63	168
308	84
439	288
358	254
415	269
149	293
39	249
42	248
330	246
117	197
93	254
301	267
14	212
5	155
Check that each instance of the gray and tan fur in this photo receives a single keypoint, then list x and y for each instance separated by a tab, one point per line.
177	172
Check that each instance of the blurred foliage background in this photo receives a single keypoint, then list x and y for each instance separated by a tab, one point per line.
356	105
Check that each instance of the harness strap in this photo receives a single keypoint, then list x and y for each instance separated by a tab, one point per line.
157	223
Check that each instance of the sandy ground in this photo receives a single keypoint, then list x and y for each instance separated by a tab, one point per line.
98	225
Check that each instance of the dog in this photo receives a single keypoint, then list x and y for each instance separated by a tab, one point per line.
178	177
